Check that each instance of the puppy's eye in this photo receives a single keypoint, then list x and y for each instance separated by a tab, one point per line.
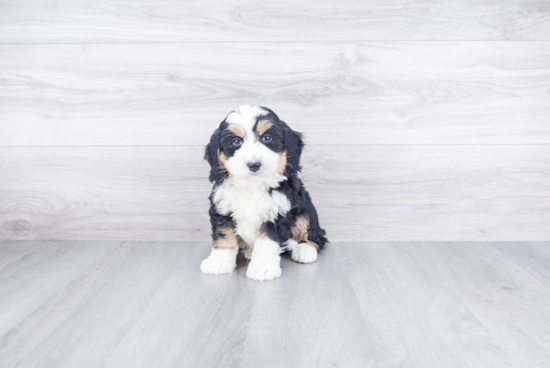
237	142
266	138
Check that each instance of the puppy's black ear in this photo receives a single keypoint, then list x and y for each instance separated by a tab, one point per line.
211	152
294	145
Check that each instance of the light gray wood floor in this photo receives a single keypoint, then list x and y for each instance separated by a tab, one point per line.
139	304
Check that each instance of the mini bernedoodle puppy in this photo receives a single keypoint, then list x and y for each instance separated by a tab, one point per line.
258	203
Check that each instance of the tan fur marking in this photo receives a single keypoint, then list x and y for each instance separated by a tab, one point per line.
313	244
282	163
222	158
263	126
300	231
230	241
237	129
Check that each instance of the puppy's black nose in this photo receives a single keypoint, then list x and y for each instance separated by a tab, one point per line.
254	166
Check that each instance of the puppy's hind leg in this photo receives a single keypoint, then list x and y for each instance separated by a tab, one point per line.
303	250
305	253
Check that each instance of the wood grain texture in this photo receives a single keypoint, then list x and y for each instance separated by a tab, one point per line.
416	315
321	312
379	192
238	322
64	21
467	297
40	271
191	313
98	305
531	256
504	297
146	304
10	253
335	92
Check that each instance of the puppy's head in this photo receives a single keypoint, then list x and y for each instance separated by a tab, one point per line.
253	144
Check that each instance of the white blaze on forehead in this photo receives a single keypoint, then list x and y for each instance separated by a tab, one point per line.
246	116
242	121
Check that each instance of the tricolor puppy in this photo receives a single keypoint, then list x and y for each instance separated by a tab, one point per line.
258	203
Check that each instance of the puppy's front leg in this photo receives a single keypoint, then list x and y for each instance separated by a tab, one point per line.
225	246
220	261
266	261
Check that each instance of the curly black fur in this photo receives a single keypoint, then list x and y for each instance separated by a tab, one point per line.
301	205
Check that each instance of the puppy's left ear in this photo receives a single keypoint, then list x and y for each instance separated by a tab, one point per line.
294	145
211	154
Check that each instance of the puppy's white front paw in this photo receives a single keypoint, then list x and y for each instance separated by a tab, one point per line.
304	253
262	270
220	261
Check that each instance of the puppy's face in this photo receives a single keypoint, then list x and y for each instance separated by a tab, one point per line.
253	144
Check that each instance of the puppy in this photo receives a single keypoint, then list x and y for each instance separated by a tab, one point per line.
258	202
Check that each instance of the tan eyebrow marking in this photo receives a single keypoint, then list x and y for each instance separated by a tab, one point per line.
237	129
263	126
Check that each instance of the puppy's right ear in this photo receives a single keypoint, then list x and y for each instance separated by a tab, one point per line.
211	154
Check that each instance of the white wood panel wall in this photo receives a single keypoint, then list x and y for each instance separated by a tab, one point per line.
425	120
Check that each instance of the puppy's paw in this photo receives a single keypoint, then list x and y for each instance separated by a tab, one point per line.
262	270
304	253
220	261
290	245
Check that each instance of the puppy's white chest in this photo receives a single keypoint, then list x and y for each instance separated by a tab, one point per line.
250	205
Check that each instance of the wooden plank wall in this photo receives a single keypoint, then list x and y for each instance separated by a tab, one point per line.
425	120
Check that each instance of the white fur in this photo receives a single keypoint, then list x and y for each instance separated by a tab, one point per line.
266	261
245	115
220	261
304	253
251	150
245	196
250	204
290	245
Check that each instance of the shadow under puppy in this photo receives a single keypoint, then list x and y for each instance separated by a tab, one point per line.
258	202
